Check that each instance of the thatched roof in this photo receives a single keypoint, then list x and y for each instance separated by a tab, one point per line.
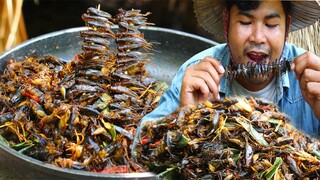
307	38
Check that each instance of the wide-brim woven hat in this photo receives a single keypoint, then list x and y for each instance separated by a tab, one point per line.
210	15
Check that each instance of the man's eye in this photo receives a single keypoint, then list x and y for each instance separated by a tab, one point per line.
245	23
271	25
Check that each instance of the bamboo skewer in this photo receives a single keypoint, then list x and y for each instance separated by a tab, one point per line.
12	27
15	23
9	9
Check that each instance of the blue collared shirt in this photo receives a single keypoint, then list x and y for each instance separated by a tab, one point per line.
289	98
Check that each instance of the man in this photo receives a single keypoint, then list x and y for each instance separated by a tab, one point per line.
255	32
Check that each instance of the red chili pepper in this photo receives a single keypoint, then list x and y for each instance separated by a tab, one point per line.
156	144
144	140
267	108
76	57
170	126
95	170
116	169
35	98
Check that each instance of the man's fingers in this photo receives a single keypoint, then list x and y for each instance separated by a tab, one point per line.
216	64
201	82
209	69
193	92
206	83
309	75
307	60
313	90
212	67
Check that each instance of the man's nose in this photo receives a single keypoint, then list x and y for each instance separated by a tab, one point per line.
258	35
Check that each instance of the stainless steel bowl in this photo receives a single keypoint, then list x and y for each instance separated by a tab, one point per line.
174	49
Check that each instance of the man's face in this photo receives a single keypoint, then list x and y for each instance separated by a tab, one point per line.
257	35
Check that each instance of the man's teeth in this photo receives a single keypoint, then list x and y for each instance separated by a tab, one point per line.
256	54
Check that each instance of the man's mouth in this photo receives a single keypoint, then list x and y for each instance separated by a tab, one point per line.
256	57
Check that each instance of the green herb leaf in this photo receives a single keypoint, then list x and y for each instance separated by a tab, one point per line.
248	127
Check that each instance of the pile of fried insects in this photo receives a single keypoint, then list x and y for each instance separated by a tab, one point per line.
83	114
233	138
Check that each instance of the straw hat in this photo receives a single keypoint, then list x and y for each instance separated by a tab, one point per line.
210	15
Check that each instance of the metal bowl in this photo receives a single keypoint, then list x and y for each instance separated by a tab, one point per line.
174	49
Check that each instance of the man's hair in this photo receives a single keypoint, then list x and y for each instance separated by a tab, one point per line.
251	5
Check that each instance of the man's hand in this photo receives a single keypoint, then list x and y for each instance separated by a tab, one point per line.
201	82
307	69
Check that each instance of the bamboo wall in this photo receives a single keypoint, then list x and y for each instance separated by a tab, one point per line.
307	38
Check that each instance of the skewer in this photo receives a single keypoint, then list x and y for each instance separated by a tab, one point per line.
258	70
